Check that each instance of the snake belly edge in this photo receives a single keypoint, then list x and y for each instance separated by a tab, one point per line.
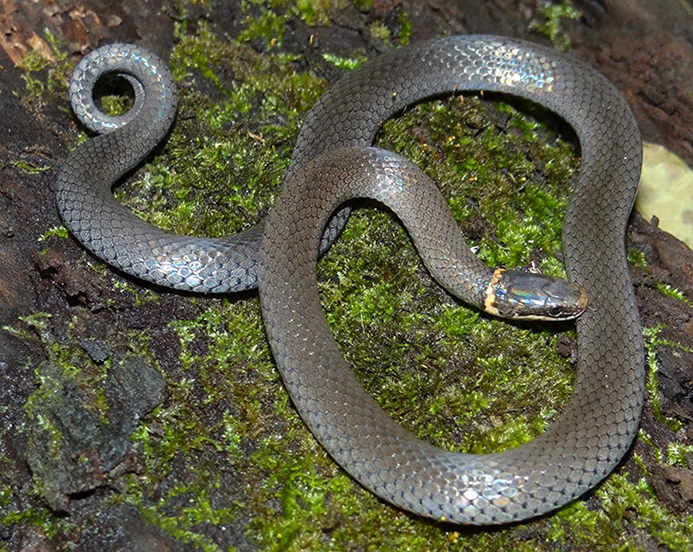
598	425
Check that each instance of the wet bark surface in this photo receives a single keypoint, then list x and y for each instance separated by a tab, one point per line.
645	48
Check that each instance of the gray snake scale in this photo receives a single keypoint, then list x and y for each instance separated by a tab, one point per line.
331	164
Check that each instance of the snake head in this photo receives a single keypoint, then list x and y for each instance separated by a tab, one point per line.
527	296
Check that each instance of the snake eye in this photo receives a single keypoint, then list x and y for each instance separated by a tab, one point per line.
555	311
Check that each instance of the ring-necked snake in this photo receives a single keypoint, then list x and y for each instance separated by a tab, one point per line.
601	419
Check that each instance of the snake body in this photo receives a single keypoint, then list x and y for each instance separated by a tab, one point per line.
601	419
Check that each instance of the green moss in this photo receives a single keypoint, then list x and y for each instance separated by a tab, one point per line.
43	75
37	321
342	63
317	12
227	156
267	20
626	507
363	5
673	293
551	28
405	28
67	358
65	363
48	523
57	232
141	295
116	105
29	168
678	454
636	258
652	343
517	184
183	429
379	31
456	378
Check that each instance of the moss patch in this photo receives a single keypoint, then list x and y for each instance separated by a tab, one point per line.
453	376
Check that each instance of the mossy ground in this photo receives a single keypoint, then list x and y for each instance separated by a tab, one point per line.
446	372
